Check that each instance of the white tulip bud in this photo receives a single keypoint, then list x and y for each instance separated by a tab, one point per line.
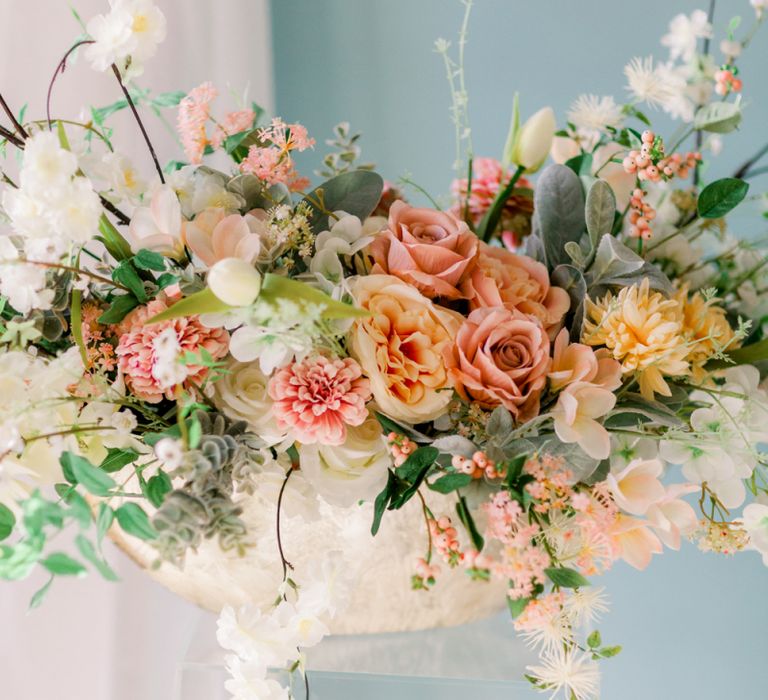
234	281
533	140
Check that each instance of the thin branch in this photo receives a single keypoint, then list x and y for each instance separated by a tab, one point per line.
743	171
19	128
75	270
144	133
11	137
286	564
112	209
60	69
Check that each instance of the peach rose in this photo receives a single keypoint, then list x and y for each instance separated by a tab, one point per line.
501	278
400	347
431	250
501	356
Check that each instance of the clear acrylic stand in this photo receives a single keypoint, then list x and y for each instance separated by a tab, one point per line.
481	660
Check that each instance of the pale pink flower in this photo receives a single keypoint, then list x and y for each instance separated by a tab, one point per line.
635	541
574	416
194	112
158	226
213	236
233	123
637	487
136	350
571	362
318	398
672	518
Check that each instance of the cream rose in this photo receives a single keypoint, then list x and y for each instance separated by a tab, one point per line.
400	347
355	471
241	394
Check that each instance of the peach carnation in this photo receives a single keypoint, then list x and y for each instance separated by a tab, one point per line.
431	250
517	282
319	397
500	357
136	350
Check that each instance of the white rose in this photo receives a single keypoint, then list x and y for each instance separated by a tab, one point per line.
241	394
352	472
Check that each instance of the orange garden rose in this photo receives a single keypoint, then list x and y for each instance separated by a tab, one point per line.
400	347
500	357
431	250
517	282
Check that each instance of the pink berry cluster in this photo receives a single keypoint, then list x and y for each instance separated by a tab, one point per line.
652	165
444	540
425	575
401	447
726	81
477	466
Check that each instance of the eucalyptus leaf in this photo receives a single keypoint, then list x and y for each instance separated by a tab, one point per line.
455	445
356	192
255	194
559	211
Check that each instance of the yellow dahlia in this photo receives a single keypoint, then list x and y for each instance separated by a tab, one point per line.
706	329
643	330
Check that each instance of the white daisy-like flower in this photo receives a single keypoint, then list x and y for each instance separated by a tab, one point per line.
550	635
648	83
592	113
569	674
684	32
586	606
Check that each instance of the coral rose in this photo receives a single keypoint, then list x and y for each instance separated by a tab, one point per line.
500	357
400	347
431	250
517	282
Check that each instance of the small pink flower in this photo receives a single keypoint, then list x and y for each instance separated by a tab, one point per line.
318	398
233	123
672	517
213	236
194	111
136	350
574	417
635	541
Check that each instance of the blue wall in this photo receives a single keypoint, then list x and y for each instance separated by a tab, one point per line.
693	625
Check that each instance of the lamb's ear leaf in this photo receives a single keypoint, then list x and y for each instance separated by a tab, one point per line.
600	211
559	206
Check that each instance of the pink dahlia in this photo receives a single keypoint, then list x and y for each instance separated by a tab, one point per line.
137	351
488	176
318	398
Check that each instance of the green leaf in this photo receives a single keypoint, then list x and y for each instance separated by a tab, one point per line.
600	211
721	196
580	164
277	287
718	117
76	323
748	355
168	99
79	508
92	478
114	242
594	640
559	212
450	482
7	521
63	565
608	652
119	309
149	260
418	462
117	458
90	554
566	578
104	521
134	521
517	606
462	509
381	502
202	302
40	594
157	487
125	274
356	192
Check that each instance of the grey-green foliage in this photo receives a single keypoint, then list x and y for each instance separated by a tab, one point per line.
203	507
558	212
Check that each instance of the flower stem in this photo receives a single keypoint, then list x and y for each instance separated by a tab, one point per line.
493	215
60	68
286	564
19	128
144	133
77	271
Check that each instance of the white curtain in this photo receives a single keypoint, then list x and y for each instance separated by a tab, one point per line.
94	640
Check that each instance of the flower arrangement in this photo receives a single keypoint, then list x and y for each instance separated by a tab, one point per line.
574	356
